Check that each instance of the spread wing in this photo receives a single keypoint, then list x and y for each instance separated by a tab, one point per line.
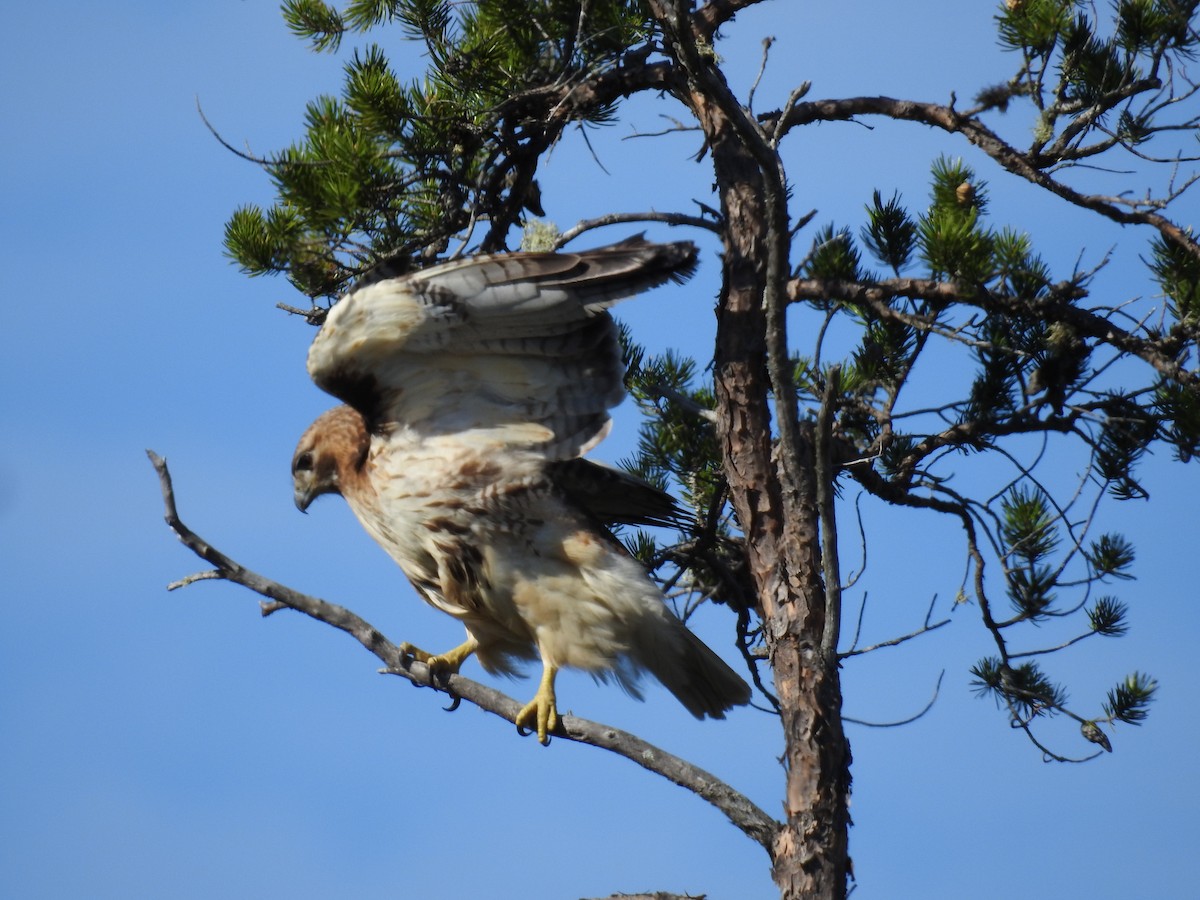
516	349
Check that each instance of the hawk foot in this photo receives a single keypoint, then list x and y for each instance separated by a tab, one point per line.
541	713
447	663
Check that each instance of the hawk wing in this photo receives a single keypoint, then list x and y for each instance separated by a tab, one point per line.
517	350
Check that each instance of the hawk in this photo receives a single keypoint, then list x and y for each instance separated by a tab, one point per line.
472	391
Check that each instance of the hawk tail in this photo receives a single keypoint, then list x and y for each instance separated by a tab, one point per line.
702	681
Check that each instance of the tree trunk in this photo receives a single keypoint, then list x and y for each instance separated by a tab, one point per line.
775	500
810	855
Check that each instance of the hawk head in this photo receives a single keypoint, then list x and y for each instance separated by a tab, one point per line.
330	455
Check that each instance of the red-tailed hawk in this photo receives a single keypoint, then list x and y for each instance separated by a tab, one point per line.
473	389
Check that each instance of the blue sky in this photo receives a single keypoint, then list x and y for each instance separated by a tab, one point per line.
178	745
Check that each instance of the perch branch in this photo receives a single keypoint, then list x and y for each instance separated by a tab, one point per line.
755	823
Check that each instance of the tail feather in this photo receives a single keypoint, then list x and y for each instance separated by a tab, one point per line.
698	678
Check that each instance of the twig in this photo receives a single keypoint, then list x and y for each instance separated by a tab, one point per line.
928	706
893	642
676	128
211	574
1062	646
683	401
313	316
746	816
862	534
250	157
762	68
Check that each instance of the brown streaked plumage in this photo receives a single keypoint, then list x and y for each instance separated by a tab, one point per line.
473	390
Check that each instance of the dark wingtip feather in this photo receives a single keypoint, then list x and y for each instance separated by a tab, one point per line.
614	496
674	260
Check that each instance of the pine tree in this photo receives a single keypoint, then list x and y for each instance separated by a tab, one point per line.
762	441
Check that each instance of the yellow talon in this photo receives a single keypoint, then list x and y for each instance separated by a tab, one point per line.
541	710
447	663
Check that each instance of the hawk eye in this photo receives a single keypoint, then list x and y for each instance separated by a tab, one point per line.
304	462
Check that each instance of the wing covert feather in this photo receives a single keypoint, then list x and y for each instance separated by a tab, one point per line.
493	344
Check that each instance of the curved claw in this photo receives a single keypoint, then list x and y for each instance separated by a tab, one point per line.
541	713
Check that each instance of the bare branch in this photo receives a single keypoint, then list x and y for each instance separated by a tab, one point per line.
751	820
928	706
686	403
1049	755
1062	646
210	575
1029	166
265	162
622	218
315	315
762	68
924	629
862	538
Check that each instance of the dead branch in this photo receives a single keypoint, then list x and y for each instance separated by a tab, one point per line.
622	218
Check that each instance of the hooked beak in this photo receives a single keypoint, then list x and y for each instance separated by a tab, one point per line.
303	495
